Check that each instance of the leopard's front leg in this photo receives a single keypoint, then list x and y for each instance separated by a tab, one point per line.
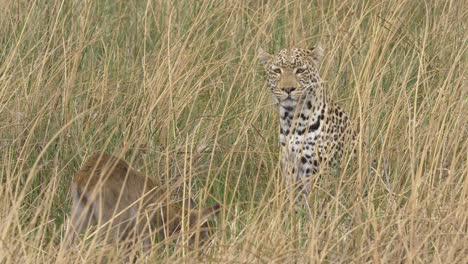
290	170
297	169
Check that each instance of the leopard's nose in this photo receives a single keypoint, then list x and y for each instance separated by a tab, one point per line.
289	89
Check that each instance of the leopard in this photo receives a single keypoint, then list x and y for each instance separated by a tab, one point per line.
315	132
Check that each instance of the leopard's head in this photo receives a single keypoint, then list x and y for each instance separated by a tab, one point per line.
292	73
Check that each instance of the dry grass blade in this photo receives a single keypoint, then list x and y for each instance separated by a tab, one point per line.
176	89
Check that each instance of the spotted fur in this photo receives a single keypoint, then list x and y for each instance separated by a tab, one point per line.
314	131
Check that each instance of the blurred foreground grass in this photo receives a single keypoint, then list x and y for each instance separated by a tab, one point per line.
175	88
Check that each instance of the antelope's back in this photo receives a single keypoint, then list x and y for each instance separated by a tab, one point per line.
115	183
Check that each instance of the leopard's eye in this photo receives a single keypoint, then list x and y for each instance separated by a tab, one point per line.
300	70
277	70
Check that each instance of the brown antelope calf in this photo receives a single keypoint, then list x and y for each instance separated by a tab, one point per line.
126	206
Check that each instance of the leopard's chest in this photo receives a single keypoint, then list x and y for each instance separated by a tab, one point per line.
303	143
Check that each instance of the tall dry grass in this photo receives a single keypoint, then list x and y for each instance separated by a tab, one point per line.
176	88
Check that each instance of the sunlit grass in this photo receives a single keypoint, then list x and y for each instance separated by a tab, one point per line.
175	86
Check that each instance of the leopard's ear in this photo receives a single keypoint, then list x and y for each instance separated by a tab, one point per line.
316	54
263	56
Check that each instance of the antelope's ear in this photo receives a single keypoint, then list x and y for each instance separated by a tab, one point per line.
206	213
263	56
213	210
316	54
188	203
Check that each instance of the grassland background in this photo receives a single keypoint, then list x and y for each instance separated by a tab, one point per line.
175	88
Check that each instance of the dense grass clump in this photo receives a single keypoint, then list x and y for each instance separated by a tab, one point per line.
175	87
